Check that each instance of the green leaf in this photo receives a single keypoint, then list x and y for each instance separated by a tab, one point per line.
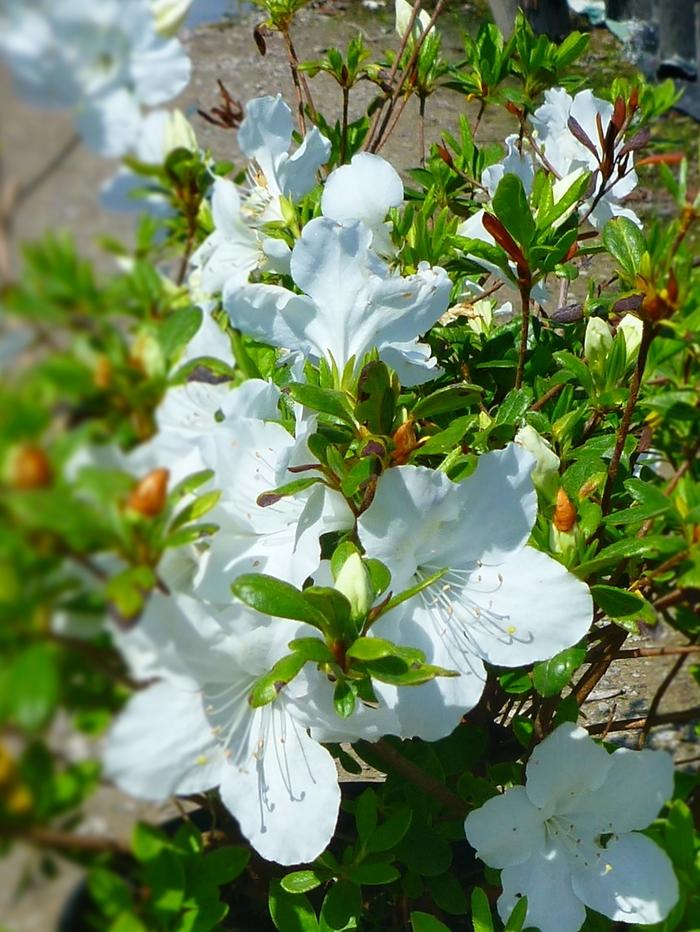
178	329
196	509
128	590
271	596
392	830
223	864
511	207
147	842
372	874
325	400
450	398
301	881
291	912
31	687
424	922
341	908
312	649
366	814
618	603
513	407
110	891
376	402
371	648
344	698
481	911
625	242
516	920
271	497
551	676
379	576
267	687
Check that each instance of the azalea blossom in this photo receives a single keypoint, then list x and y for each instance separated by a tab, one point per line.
570	837
351	303
566	153
500	601
103	61
265	136
271	774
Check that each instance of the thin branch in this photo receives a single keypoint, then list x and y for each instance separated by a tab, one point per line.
397	762
633	652
636	724
658	696
68	842
524	326
548	395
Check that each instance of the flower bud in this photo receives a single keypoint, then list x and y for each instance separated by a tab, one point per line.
403	14
169	15
545	475
179	133
354	583
597	343
29	468
564	513
404	443
148	497
631	329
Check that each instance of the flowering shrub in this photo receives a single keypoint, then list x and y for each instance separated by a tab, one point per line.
333	474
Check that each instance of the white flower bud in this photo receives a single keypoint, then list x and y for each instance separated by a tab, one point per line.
403	14
179	133
631	329
545	475
169	15
354	583
597	343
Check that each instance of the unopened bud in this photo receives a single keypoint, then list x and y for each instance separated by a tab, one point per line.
29	468
404	443
354	583
102	375
631	329
545	475
169	15
597	343
149	496
564	513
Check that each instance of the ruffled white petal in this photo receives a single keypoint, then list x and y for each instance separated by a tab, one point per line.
507	830
161	744
566	765
631	881
363	190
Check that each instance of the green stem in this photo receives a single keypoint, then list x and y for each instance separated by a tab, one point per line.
525	323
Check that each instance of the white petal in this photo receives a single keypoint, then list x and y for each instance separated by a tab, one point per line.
632	881
363	190
545	879
506	830
568	764
110	125
525	609
271	314
162	744
282	788
434	709
266	131
637	786
297	174
161	71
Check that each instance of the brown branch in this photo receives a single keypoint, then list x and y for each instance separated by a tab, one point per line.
658	696
648	333
68	842
636	724
597	670
525	323
548	395
632	652
397	762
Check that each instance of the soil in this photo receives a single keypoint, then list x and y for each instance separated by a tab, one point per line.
30	901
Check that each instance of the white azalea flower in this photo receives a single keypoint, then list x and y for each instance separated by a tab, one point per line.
272	776
631	329
500	601
235	248
265	136
250	457
351	302
366	190
169	15
565	152
546	836
103	61
517	161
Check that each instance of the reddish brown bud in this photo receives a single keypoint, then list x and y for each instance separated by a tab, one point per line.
148	497
30	468
404	443
564	513
103	373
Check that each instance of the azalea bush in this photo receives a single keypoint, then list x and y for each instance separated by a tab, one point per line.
327	509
